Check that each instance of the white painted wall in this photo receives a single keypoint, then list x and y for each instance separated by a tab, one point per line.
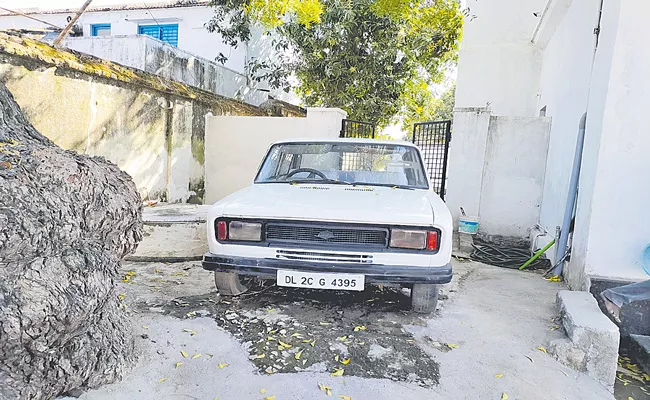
498	65
618	228
192	35
513	175
496	170
466	161
235	146
156	57
564	89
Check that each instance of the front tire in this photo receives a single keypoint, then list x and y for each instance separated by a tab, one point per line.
229	283
424	298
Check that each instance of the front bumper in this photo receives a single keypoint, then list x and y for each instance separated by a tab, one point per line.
374	273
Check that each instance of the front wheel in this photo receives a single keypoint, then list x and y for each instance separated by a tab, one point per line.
424	298
229	283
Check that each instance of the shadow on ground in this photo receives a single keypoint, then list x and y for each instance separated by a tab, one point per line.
292	330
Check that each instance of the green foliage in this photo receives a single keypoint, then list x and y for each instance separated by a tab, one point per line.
364	56
420	105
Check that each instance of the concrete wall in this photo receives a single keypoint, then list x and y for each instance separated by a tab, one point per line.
565	83
156	57
154	136
612	222
235	146
192	35
496	170
498	65
513	175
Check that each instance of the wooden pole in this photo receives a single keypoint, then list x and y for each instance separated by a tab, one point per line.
65	30
30	17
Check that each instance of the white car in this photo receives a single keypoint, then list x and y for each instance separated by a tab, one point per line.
334	214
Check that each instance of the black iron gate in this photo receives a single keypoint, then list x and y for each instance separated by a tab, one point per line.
433	140
357	129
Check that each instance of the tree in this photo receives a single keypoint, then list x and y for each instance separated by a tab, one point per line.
360	55
421	104
65	222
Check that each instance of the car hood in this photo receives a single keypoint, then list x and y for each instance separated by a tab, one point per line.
341	203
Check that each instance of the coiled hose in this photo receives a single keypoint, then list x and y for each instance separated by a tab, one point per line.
506	257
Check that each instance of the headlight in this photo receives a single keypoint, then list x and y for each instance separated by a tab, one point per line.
414	239
246	231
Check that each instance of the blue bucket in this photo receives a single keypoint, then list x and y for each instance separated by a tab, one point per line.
468	225
645	260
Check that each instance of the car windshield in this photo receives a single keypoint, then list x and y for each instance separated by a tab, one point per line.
344	163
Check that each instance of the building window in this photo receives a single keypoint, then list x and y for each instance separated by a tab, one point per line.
100	30
167	33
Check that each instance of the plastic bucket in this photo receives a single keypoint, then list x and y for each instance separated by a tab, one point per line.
468	225
645	260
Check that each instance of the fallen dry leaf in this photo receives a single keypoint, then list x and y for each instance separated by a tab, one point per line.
504	396
342	338
530	358
285	345
178	364
298	354
452	345
196	356
222	365
359	328
498	375
145	326
337	372
324	323
326	389
565	374
543	350
161	380
262	390
345	397
336	358
259	356
270	397
346	361
190	331
121	296
183	353
296	335
313	343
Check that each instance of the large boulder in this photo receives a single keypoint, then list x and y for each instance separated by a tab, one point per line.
66	220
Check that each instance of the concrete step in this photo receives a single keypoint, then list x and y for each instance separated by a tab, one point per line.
640	346
173	233
593	340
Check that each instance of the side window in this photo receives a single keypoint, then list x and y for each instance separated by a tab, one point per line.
100	30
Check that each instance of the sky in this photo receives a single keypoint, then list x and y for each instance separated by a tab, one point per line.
56	4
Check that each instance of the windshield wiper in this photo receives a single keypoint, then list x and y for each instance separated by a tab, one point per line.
381	184
326	181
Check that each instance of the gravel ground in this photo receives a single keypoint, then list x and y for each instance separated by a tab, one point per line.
296	344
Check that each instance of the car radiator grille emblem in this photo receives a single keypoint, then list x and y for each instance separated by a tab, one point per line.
325	235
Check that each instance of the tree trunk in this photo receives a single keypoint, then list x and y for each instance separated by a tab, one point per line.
66	220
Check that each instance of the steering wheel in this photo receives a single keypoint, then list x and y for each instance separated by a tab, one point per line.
312	173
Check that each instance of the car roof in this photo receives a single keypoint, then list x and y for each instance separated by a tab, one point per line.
345	140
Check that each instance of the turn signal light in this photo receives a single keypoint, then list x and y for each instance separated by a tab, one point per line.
222	230
432	240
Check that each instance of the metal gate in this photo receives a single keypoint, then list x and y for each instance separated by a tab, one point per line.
357	129
433	139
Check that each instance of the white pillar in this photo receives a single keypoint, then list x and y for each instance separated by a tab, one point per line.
324	122
466	160
612	220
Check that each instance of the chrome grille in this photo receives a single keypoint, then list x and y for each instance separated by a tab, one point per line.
324	257
337	234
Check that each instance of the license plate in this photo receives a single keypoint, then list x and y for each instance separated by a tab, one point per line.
313	280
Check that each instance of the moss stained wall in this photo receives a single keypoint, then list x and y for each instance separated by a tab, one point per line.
151	128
